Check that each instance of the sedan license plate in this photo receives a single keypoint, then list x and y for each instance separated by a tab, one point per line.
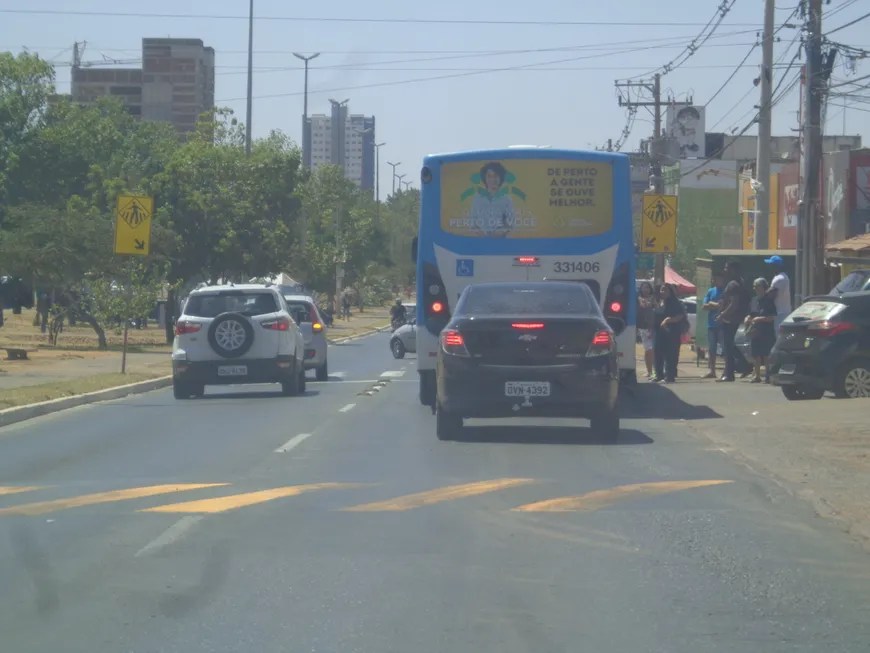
232	370
527	389
787	369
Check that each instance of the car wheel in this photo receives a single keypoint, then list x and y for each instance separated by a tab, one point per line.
290	387
180	390
231	335
397	348
798	393
322	372
853	381
448	426
303	382
606	425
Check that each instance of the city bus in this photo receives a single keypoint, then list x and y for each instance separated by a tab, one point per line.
524	213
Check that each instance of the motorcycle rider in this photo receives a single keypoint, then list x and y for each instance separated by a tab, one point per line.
398	313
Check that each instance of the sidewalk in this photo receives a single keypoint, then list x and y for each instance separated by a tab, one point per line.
817	450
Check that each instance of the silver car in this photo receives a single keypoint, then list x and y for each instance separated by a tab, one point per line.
305	313
404	339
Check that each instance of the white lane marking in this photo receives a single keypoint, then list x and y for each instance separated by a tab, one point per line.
338	375
346	408
172	534
293	442
392	374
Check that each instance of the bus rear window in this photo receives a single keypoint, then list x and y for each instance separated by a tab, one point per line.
524	300
526	198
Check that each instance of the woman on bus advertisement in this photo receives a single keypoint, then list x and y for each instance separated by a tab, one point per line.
492	208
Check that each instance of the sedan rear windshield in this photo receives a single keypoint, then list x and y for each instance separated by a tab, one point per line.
302	312
816	311
247	303
519	300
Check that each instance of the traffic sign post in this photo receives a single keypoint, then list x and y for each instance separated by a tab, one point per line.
133	224
658	225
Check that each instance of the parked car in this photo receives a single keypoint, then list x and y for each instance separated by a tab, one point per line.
404	339
306	314
855	281
233	335
690	304
824	345
525	349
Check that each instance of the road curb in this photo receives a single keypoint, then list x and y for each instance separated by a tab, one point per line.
22	413
359	335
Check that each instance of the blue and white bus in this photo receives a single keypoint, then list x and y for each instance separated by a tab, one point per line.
524	213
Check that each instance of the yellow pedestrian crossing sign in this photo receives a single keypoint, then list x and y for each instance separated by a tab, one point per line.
658	225
133	224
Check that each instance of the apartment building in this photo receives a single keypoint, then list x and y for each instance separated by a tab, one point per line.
346	140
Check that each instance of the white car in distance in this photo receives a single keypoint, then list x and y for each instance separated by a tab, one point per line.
229	335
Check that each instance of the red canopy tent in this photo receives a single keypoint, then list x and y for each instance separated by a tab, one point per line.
684	286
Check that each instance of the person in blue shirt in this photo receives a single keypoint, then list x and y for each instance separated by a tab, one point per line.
712	304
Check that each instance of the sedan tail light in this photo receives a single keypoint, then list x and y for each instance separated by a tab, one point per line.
183	326
317	327
280	324
453	343
602	344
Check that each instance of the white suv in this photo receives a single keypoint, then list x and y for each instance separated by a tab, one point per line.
229	335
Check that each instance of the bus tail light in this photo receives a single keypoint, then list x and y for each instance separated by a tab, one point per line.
528	261
616	300
436	308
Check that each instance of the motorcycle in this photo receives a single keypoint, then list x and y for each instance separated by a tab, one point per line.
397	322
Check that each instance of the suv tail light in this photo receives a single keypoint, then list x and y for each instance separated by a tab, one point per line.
602	344
183	326
829	329
453	343
280	324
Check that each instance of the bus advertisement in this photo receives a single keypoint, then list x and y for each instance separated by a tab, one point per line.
524	213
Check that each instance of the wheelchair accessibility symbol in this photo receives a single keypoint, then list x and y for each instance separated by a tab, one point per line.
465	267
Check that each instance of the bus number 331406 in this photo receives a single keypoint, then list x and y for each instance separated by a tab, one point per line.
576	266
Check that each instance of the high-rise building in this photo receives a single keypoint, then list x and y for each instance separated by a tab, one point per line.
175	83
346	140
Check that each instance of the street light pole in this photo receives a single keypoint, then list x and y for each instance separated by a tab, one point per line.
400	178
249	117
394	165
378	147
306	130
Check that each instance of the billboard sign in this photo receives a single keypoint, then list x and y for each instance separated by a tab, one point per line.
835	210
686	124
527	198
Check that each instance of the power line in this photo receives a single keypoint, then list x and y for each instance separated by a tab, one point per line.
330	19
732	75
849	24
453	75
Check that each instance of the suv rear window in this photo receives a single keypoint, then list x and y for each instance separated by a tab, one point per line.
302	311
519	300
816	311
248	303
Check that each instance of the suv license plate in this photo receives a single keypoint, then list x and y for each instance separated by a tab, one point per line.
232	370
527	389
787	369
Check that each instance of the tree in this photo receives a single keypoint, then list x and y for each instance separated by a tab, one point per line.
402	220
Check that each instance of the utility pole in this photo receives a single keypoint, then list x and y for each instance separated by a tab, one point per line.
656	149
762	171
306	128
378	147
249	117
394	166
810	250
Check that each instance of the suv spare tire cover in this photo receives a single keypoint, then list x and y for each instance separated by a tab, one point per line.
231	335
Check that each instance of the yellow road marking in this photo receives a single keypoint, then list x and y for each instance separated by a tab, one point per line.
233	501
410	501
4	490
604	498
44	507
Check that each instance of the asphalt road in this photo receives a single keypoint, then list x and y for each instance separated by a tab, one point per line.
336	522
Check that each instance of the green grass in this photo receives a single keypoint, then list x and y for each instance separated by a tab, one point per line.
13	397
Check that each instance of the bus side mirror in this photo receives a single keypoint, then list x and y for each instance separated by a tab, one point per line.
414	249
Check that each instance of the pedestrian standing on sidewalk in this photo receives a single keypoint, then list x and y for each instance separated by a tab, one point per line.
735	300
646	305
779	291
759	327
670	321
712	304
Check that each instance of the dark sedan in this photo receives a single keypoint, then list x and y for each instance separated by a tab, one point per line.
824	345
521	349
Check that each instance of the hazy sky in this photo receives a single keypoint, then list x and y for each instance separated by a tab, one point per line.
494	79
